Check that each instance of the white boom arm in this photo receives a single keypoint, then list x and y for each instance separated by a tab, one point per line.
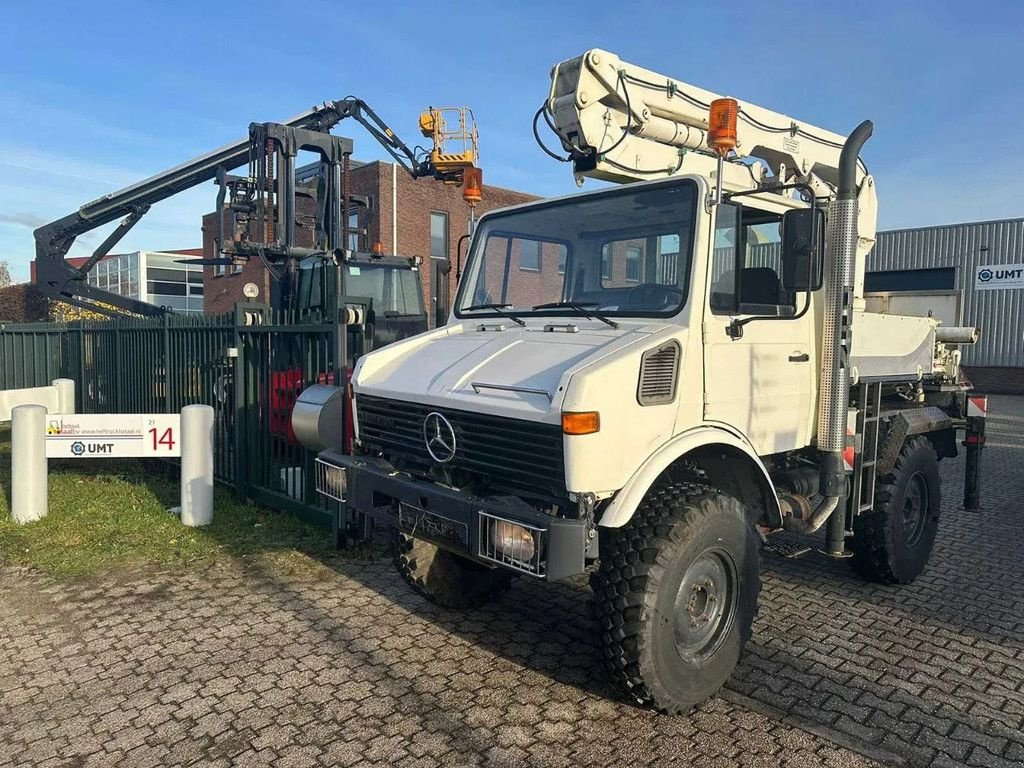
623	123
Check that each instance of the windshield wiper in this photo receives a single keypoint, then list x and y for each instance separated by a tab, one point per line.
498	309
580	308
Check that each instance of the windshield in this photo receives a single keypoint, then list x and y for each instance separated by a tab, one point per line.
624	252
395	290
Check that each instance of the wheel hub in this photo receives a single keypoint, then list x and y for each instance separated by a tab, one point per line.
705	604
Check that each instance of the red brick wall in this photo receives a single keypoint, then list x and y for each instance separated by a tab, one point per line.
416	199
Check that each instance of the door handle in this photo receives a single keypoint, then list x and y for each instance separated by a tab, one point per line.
799	357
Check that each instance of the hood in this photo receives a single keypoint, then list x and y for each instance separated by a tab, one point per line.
519	372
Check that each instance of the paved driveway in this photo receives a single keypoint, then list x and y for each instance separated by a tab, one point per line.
342	665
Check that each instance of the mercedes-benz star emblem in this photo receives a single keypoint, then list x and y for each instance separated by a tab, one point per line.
439	437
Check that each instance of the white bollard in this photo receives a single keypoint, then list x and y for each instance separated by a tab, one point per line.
196	465
65	395
28	463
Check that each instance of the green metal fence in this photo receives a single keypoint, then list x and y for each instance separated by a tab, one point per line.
249	365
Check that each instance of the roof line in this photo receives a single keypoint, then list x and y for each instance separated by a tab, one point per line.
490	186
950	226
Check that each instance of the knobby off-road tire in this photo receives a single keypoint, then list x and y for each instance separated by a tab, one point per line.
675	595
447	579
892	543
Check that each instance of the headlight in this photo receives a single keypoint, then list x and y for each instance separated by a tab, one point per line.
330	480
513	541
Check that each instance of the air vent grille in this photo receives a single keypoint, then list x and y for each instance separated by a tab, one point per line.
659	371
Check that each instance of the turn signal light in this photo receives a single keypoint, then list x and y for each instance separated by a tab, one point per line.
581	422
722	125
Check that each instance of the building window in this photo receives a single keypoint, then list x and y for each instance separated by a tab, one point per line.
529	255
237	267
633	259
562	254
606	262
438	235
353	231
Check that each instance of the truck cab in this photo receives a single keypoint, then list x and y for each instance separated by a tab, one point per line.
389	285
647	381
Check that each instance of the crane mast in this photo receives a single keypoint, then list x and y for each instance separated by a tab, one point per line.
260	195
623	123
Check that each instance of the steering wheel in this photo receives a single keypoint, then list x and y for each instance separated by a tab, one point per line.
653	295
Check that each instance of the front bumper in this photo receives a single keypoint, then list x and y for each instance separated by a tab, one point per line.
457	521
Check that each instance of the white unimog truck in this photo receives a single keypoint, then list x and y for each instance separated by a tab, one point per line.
648	380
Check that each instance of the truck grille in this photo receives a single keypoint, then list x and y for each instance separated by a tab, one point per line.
513	456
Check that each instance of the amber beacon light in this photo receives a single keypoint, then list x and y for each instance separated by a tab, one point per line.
722	125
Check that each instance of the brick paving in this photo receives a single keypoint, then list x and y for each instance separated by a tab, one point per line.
342	665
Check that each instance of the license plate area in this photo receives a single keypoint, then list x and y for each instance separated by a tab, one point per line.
420	522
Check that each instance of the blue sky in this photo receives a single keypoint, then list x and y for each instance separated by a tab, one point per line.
98	95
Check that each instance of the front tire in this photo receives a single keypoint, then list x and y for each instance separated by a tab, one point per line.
676	595
892	543
447	579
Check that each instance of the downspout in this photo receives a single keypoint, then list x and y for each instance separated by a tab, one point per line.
837	336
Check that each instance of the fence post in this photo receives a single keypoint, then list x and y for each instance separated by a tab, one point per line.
65	395
166	317
82	387
240	404
28	463
197	465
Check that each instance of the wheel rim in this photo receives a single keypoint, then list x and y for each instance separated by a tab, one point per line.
705	605
915	510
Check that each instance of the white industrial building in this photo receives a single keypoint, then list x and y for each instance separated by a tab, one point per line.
157	277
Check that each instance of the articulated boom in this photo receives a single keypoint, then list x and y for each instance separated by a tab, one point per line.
623	123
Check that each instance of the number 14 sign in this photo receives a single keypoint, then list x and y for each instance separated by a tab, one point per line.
113	435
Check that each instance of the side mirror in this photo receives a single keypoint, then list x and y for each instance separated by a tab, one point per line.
803	248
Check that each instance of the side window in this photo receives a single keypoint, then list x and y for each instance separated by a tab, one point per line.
746	265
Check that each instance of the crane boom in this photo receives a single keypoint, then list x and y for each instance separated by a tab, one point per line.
61	280
623	123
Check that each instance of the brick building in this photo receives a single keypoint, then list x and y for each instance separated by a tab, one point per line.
408	217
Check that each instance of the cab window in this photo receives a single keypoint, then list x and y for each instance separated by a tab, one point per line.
746	267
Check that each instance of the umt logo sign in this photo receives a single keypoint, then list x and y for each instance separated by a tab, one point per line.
78	448
999	277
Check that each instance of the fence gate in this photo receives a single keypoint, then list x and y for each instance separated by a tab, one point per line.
249	365
276	354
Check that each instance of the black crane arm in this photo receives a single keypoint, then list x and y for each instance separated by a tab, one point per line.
59	279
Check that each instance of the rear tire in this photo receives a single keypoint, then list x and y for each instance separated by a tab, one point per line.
892	543
447	579
676	595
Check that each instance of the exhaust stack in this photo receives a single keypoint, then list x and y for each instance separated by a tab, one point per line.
837	337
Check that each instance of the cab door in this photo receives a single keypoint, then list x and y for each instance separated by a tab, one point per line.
758	377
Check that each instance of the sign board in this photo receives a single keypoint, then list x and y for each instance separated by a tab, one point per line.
113	435
997	277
